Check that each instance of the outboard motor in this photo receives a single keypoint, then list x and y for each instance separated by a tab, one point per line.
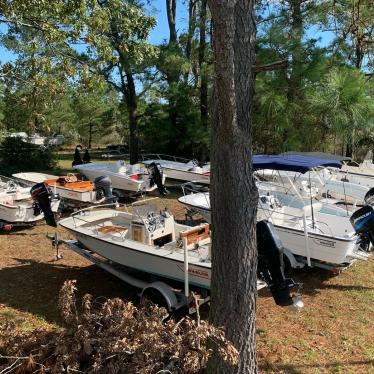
270	265
369	197
156	175
103	187
363	222
41	194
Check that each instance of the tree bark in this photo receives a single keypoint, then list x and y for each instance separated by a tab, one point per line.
89	136
171	6
233	191
295	80
202	66
190	34
132	107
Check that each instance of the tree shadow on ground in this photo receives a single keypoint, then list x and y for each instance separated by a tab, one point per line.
315	280
32	286
300	368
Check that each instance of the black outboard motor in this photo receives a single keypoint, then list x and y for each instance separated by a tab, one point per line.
363	222
270	264
103	187
41	194
369	197
156	175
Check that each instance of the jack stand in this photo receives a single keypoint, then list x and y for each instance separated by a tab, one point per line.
56	245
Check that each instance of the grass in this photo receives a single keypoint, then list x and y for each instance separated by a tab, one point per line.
332	334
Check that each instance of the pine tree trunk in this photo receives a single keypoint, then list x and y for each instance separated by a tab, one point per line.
202	66
90	136
132	107
294	90
171	6
190	34
233	191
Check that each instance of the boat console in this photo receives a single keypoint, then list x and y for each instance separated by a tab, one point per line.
153	228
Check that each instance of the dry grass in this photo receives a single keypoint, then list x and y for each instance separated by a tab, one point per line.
333	334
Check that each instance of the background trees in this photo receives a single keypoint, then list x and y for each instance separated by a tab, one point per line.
164	91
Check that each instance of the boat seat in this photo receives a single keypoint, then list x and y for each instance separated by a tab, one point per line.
195	235
112	229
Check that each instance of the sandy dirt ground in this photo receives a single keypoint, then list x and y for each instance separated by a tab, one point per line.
334	333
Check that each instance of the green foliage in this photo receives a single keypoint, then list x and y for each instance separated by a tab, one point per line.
16	156
86	69
96	113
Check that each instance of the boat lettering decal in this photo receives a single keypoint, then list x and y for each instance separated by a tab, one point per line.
326	243
362	217
195	272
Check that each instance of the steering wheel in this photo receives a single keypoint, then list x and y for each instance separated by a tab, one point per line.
11	185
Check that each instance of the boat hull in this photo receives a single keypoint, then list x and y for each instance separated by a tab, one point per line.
23	213
120	182
123	254
32	177
187	176
322	247
71	194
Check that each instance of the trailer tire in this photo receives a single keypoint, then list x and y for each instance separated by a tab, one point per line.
155	297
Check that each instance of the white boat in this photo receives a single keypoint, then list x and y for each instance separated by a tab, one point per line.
350	171
37	139
17	205
321	183
68	187
152	242
358	175
312	230
10	186
365	168
181	169
33	177
133	178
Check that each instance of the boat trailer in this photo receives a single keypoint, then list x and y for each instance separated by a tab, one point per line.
157	290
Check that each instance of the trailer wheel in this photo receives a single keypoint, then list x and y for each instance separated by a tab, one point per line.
155	297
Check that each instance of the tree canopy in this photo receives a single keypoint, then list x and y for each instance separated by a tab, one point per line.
314	66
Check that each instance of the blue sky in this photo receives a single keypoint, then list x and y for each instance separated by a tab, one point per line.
161	32
158	35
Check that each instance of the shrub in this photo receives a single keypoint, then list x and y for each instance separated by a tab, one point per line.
17	155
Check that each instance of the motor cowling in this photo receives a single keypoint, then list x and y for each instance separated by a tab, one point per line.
369	197
103	186
156	177
362	221
42	194
270	266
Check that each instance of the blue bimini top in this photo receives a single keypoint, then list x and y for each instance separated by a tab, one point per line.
297	163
